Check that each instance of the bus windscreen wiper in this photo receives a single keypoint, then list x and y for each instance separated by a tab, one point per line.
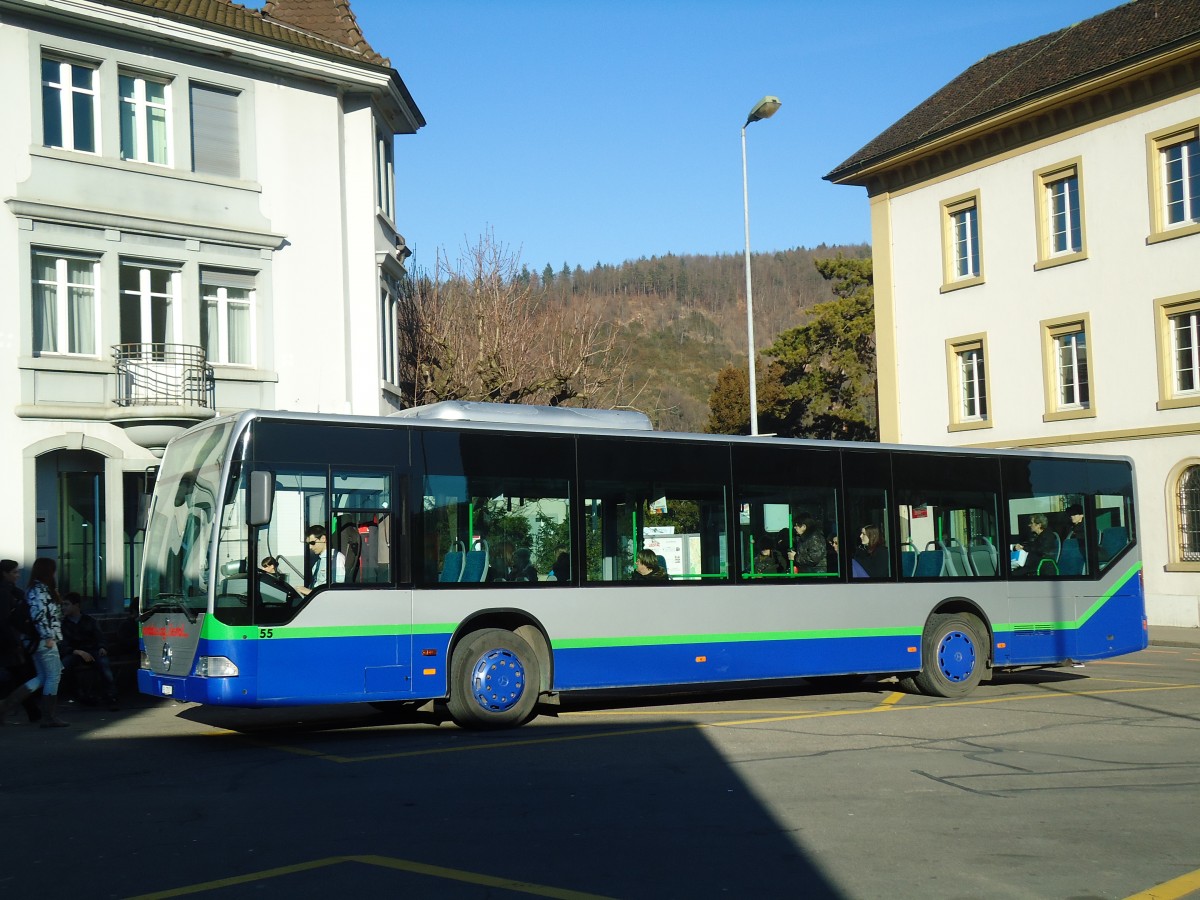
169	603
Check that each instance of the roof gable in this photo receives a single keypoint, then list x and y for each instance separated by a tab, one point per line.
1040	67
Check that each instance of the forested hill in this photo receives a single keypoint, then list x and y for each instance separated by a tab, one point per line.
683	318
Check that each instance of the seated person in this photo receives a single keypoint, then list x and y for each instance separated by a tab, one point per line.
647	567
768	560
1041	547
84	653
561	570
522	569
872	553
318	541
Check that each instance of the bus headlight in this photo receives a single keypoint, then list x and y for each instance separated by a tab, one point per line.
215	667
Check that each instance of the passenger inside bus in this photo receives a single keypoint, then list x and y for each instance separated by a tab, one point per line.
648	569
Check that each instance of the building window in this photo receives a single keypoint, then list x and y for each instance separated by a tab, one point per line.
1065	368
1189	515
1185	351
69	111
215	149
1060	214
1174	162
145	125
227	316
1181	182
149	292
1177	333
966	363
385	183
389	315
962	245
65	304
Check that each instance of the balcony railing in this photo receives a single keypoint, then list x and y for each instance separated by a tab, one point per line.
164	375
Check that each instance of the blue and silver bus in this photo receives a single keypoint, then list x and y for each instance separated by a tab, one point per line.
486	558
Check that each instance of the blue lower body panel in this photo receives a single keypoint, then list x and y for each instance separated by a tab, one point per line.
615	667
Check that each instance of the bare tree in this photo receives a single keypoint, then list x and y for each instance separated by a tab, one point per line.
480	331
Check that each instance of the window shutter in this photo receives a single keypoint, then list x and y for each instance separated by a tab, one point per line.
215	131
228	278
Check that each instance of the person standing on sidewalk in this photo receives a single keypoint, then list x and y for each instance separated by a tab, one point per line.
44	607
17	636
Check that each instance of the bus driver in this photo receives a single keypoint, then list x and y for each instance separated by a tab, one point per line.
317	540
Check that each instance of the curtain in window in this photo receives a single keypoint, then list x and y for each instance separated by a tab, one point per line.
45	305
81	306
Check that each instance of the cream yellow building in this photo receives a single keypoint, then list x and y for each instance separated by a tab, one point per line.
1036	239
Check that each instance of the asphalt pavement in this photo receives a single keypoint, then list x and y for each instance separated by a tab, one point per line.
1174	636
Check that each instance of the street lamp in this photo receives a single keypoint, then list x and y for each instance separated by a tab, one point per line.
763	109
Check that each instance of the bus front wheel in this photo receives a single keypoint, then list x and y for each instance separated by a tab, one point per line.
494	680
953	656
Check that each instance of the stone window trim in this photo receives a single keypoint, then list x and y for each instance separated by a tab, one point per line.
1165	309
1157	143
1051	330
1044	180
952	211
956	347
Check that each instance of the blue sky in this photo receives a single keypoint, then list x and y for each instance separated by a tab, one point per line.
598	132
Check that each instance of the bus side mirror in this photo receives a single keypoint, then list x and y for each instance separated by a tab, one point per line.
261	499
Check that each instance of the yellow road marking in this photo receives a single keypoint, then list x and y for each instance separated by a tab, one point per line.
760	719
404	865
890	700
1171	890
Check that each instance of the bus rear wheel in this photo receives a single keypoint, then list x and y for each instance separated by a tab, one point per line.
953	656
494	680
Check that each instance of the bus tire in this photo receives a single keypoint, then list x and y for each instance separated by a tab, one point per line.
494	680
954	654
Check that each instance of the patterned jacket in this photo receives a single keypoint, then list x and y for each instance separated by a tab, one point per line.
47	617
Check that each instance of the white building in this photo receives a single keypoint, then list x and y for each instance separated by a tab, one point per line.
197	217
1036	236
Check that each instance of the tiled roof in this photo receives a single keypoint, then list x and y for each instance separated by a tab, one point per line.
1036	68
322	26
330	19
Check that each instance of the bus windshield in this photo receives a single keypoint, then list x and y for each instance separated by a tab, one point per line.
175	573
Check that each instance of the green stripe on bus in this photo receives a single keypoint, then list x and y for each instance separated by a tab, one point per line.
1082	620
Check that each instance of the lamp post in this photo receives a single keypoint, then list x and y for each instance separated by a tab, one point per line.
763	109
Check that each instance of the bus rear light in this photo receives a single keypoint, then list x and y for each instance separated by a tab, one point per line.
216	667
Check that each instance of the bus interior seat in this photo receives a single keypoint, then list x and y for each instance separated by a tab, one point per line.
1047	567
1057	546
475	565
349	544
1113	541
931	562
957	565
983	557
454	563
1071	561
908	560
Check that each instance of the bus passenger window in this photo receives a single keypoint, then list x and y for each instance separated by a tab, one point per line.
638	495
948	514
787	503
496	510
